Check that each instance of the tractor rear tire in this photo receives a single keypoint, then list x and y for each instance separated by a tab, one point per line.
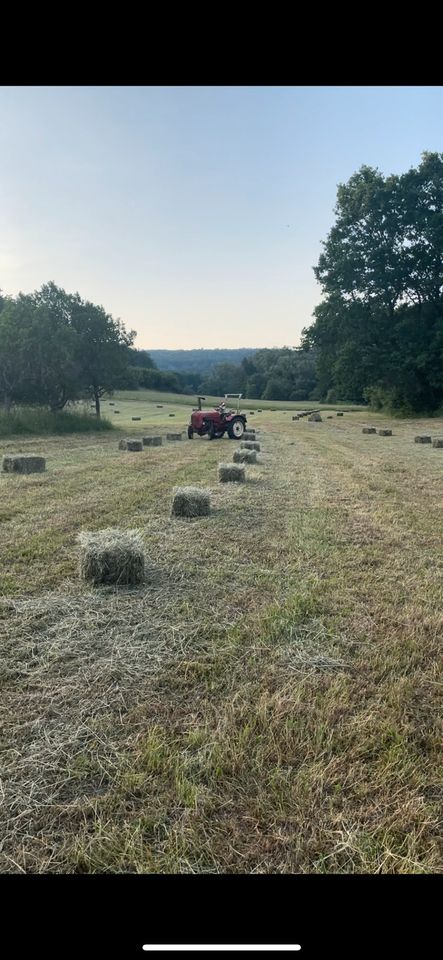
236	429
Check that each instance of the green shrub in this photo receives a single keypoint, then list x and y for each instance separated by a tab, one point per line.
38	420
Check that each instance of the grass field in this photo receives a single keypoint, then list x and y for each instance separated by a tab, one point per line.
271	699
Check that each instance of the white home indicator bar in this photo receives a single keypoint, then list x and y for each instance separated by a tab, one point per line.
221	947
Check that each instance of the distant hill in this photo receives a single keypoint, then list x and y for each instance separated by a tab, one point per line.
197	361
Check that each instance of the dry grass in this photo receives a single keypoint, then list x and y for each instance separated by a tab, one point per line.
269	700
112	556
152	441
231	473
134	446
250	445
23	464
191	502
244	456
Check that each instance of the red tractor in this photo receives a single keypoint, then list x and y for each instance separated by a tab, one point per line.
216	422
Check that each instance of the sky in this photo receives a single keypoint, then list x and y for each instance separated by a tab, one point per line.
194	214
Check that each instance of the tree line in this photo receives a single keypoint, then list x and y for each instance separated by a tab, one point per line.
268	374
56	348
378	331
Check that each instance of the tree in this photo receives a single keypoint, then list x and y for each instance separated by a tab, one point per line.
379	326
102	348
36	355
11	373
94	347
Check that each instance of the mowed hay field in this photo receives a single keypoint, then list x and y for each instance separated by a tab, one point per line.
270	699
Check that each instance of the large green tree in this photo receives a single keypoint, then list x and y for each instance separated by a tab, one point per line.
378	329
56	347
102	349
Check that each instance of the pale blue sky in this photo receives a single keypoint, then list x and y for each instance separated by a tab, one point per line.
170	205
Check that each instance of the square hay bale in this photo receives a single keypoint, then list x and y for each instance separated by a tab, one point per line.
159	406
23	464
123	445
135	418
134	445
231	473
116	411
245	456
339	413
173	436
296	418
112	556
437	442
385	433
111	403
422	439
152	441
249	435
315	418
252	413
259	410
191	502
250	445
369	430
171	414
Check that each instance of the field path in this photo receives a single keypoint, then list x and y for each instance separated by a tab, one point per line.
270	699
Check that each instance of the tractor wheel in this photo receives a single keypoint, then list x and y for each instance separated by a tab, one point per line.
190	433
236	428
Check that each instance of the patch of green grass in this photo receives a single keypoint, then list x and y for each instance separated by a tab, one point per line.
21	421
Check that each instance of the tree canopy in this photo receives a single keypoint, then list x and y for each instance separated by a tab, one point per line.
379	328
56	347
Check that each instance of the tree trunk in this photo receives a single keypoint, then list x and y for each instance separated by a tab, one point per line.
97	404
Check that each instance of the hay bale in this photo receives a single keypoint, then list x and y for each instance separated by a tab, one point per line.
134	445
437	442
385	433
249	435
152	441
422	439
252	413
135	418
369	430
296	418
116	411
259	410
315	418
250	445
191	502
159	406
112	556
23	464
231	473
245	456
171	414
173	436
111	403
123	445
339	413
329	417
